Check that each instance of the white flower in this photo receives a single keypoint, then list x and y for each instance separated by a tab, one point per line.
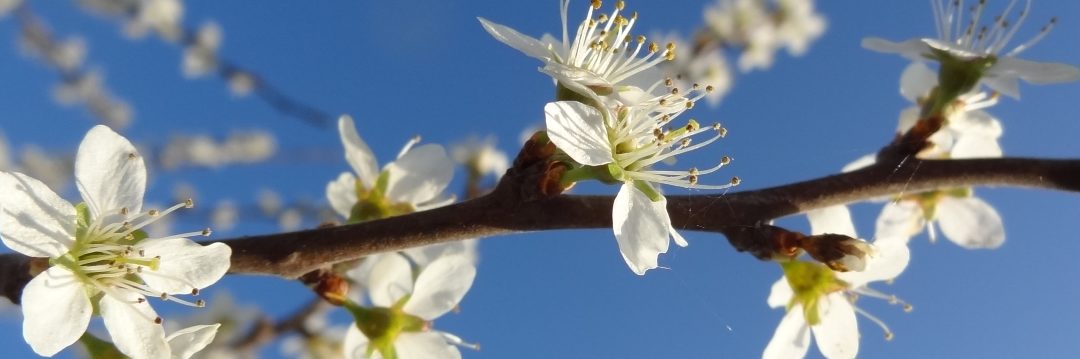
413	182
823	304
627	142
411	306
7	5
98	252
481	157
161	16
970	132
602	55
967	42
761	29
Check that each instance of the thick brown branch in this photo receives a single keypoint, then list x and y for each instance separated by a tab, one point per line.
507	210
503	211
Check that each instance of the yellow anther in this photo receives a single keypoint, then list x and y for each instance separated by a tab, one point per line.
189	203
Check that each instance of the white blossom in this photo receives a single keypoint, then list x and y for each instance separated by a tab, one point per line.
969	41
98	252
438	288
823	306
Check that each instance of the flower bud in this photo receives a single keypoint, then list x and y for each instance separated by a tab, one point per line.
841	253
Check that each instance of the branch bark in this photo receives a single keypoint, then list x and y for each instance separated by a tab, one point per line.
508	209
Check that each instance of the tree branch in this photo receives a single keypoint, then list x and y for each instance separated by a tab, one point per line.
509	209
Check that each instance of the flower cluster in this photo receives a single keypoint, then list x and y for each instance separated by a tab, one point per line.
614	119
762	28
100	259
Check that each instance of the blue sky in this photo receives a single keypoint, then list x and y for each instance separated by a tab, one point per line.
403	68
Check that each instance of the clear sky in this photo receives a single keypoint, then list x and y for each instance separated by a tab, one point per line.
423	67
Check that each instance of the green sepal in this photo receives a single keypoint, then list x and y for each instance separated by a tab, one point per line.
809	282
956	77
100	349
82	221
648	190
383	325
138	235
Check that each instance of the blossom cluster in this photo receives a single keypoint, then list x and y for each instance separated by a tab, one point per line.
614	118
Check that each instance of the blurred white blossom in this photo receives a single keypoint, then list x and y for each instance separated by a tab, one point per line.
200	55
201	150
481	156
225	215
53	170
160	16
762	28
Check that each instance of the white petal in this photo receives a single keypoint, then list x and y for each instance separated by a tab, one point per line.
33	220
56	311
908	118
902	219
357	152
391	279
678	238
780	294
110	175
424	255
356	343
975	146
889	259
977	123
1037	73
911	49
837	335
424	345
1008	85
859	163
970	222
420	175
578	129
641	228
341	193
791	339
832	219
184	264
186	342
131	326
528	45
577	79
440	286
916	81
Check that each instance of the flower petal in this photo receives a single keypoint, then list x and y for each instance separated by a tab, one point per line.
890	258
916	81
832	219
56	311
1008	85
356	344
970	222
902	219
110	175
186	342
357	152
1036	73
526	44
131	326
837	335
424	255
791	339
578	129
641	228
390	279
975	146
440	286
864	161
33	220
341	193
420	175
912	49
424	345
780	294
184	264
